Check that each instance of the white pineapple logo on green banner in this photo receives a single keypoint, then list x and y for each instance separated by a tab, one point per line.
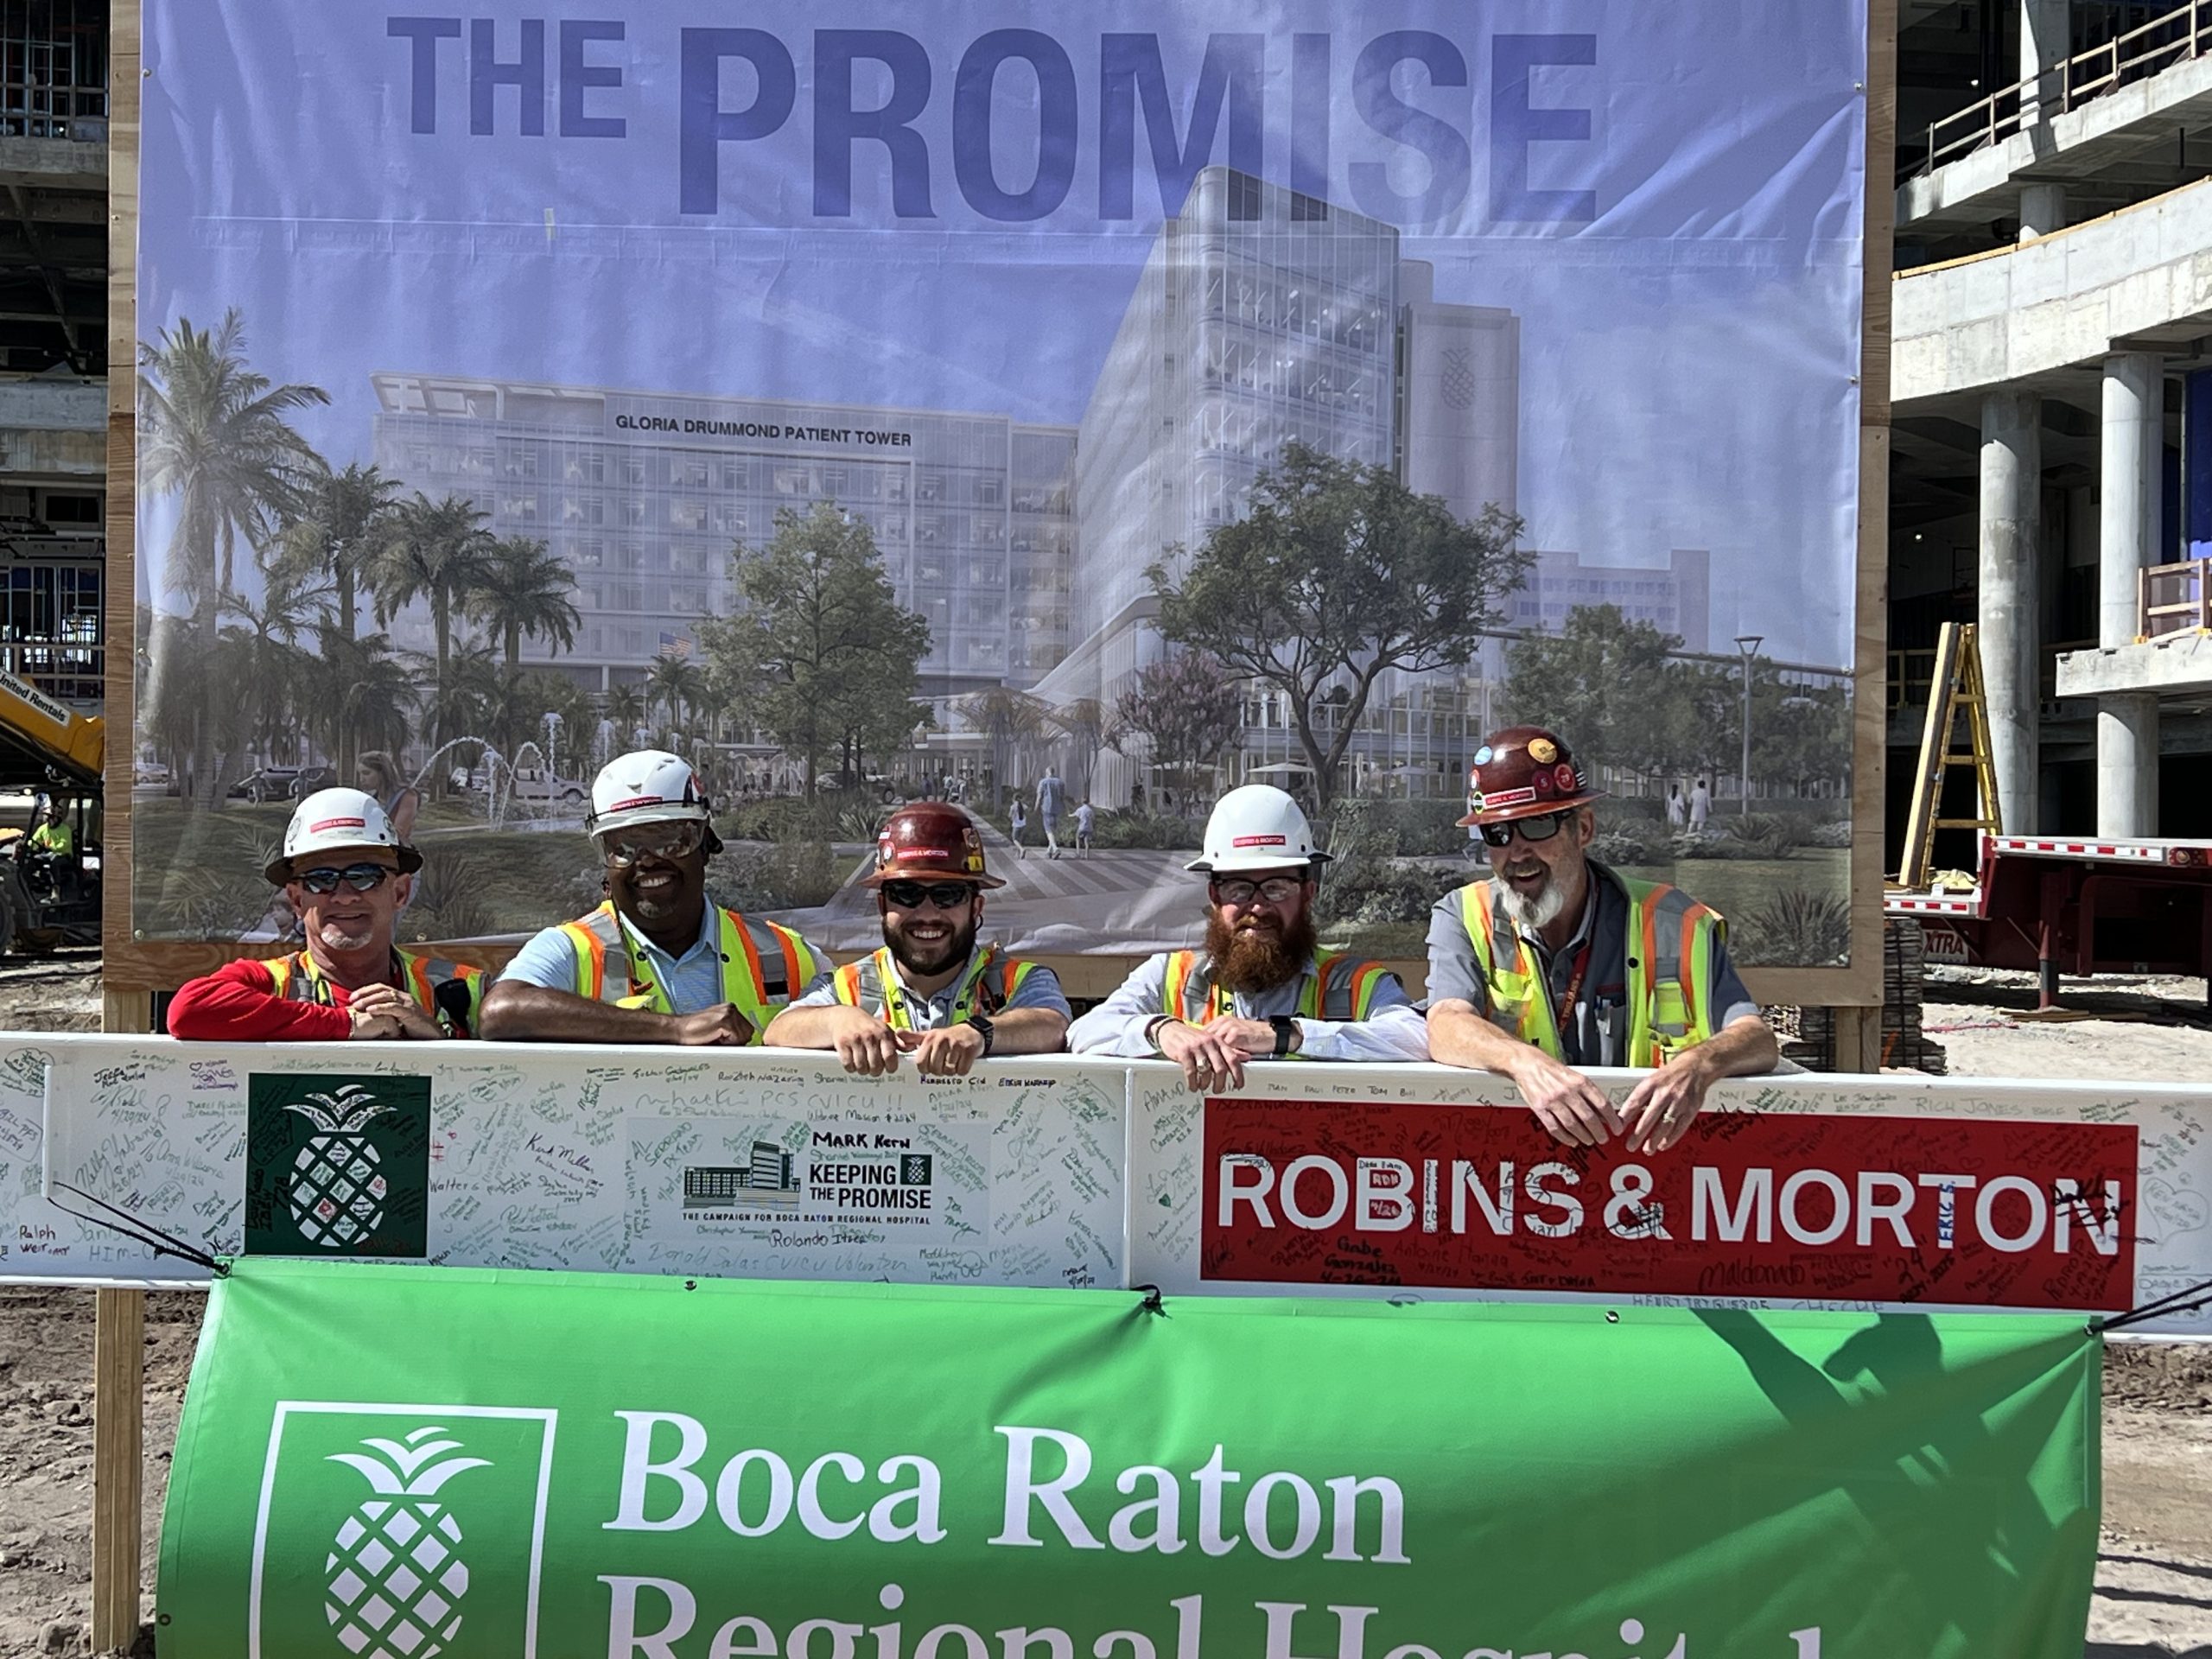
395	1576
401	1532
337	1166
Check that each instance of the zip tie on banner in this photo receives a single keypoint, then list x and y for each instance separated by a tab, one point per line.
2187	1299
139	1231
1154	1302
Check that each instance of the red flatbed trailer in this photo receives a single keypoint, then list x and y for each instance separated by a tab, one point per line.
2072	905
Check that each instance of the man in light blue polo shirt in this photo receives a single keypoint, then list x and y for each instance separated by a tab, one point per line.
660	961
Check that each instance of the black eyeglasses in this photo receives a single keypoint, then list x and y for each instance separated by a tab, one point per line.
1543	829
1276	890
361	878
913	895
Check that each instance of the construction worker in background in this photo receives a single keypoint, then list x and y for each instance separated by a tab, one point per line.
930	991
1260	988
50	833
1557	962
344	872
659	962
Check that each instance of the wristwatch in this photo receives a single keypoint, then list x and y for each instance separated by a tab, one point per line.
983	1024
1286	1034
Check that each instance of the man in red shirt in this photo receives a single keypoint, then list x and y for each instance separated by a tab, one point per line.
347	873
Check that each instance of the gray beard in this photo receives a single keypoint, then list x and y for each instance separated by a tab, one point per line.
1532	915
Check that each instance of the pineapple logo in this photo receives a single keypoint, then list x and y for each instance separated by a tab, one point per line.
396	1581
381	1525
338	1190
337	1166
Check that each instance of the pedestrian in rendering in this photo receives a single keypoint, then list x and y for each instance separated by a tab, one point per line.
1050	792
1677	812
1086	820
1701	807
1017	820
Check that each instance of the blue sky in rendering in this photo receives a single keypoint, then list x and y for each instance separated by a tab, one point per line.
1687	275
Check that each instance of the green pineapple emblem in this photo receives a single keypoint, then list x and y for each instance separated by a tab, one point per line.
338	1190
395	1582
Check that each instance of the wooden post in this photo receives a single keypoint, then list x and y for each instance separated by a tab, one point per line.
118	1462
119	1316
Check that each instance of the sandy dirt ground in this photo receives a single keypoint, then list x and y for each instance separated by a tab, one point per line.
2154	1573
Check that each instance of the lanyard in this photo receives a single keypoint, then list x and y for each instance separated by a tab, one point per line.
1565	1015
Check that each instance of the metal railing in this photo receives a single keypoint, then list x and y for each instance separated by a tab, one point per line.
2180	34
2174	598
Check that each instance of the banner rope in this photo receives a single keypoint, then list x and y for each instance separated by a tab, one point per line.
2187	1299
139	1231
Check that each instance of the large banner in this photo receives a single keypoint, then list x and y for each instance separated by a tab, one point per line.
920	1474
1083	414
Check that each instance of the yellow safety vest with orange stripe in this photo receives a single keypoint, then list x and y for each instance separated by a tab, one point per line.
1671	939
1337	987
764	966
873	983
299	980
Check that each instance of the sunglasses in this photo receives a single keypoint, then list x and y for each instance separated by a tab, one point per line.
913	895
1276	890
361	878
1543	829
676	840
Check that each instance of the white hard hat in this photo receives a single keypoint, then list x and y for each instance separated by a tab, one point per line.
649	786
1256	827
336	821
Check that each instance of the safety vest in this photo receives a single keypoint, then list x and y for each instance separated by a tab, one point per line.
1670	939
1337	987
299	980
764	966
872	983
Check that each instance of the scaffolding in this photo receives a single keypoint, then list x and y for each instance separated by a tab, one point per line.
53	69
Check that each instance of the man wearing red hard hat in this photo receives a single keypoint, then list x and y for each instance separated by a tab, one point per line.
931	991
1557	962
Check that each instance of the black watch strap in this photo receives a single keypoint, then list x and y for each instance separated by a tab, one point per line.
1286	1034
982	1022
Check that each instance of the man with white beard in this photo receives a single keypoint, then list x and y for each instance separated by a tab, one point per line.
1558	962
1262	989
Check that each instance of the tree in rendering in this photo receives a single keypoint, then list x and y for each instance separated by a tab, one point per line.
823	648
1336	573
1183	715
438	552
215	434
524	591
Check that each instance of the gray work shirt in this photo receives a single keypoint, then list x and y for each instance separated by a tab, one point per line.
1040	988
1596	1032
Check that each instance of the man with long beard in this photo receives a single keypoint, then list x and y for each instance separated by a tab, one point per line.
1559	963
930	991
1260	988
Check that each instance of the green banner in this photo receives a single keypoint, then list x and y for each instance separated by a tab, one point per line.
395	1463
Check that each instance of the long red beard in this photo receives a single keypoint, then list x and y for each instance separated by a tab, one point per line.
1252	959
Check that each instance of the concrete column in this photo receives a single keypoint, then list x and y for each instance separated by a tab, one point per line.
2127	726
2043	210
2046	41
2011	490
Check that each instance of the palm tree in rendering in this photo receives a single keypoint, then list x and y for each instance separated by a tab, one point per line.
624	705
674	682
524	589
438	552
214	433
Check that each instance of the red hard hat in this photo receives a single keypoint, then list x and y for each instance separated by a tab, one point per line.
930	839
1523	772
